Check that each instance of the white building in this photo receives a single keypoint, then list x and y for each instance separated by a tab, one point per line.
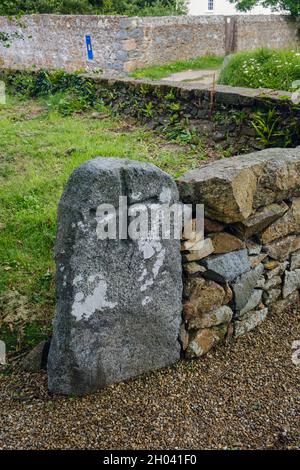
221	7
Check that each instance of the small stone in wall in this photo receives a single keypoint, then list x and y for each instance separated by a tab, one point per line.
295	261
244	285
281	249
216	317
193	268
281	305
260	220
271	296
249	322
253	248
226	267
274	268
291	282
187	245
212	226
204	340
271	265
288	224
203	295
256	260
225	242
253	302
275	281
205	249
260	282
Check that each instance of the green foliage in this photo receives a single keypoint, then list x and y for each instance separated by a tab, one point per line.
114	7
264	68
271	129
266	127
292	6
157	72
64	92
19	7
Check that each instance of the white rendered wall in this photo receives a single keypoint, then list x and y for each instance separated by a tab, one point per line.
222	7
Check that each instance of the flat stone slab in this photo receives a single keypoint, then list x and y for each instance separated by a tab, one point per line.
203	77
233	189
119	302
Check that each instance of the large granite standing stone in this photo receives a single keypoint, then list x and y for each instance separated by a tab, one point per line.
119	302
233	189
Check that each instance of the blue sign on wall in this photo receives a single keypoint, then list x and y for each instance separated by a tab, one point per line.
89	48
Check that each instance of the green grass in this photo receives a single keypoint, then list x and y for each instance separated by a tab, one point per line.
38	151
265	68
157	72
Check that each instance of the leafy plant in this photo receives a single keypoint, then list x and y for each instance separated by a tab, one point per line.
266	127
148	110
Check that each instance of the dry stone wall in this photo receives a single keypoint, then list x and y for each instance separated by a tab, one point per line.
249	262
121	44
275	31
222	116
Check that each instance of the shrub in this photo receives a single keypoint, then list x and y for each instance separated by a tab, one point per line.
266	68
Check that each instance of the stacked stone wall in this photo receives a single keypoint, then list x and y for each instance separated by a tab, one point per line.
248	264
122	44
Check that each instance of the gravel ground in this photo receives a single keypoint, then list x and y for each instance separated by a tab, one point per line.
243	395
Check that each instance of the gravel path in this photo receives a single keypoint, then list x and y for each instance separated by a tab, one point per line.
244	395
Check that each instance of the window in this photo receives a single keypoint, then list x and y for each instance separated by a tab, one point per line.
210	5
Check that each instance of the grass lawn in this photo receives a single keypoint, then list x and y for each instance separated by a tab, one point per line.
157	72
38	151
